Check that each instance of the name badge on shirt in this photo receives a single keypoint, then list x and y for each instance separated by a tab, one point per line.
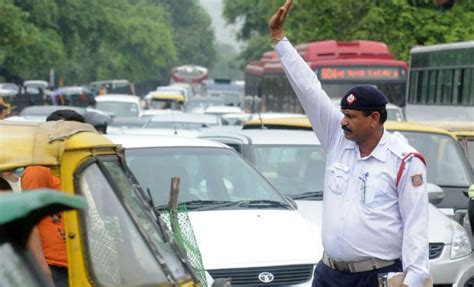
341	166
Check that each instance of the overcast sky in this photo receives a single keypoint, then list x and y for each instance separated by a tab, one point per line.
224	33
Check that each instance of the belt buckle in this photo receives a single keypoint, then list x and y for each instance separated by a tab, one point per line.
341	266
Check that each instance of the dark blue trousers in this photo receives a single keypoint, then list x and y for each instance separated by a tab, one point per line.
324	276
60	276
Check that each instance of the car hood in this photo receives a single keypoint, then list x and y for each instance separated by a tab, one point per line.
440	229
439	225
251	238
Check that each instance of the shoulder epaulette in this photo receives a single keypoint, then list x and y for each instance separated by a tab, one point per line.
405	159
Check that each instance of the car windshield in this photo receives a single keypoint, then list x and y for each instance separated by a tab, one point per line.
119	109
165	104
119	254
208	176
444	162
394	115
293	169
194	105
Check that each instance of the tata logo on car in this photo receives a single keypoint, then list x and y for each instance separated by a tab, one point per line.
266	277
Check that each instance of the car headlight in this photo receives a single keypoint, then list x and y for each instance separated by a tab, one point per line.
461	244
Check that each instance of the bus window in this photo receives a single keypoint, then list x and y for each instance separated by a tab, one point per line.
457	86
424	87
441	82
468	87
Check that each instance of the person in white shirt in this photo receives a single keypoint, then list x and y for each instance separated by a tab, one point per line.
375	214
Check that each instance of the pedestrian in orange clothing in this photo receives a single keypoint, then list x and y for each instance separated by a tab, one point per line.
48	240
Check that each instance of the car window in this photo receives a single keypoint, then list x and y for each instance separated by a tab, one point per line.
470	152
394	115
119	109
117	253
144	218
206	174
293	169
444	158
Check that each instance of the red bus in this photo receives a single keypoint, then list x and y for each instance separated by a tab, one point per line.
190	74
339	66
254	78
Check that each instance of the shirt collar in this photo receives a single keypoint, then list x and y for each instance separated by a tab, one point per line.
379	152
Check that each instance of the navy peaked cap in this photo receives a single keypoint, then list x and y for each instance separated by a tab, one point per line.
364	98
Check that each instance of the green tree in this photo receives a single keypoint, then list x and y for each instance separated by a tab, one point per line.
85	40
401	24
192	31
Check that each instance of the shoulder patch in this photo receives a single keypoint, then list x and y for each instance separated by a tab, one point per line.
417	179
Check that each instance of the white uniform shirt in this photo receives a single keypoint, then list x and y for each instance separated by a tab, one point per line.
365	214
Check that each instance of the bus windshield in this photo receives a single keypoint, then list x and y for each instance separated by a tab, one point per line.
441	82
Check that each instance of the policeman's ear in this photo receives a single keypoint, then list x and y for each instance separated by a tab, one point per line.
375	118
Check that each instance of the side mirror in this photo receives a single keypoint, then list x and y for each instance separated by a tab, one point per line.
470	192
435	193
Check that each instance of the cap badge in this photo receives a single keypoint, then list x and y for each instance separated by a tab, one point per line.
350	99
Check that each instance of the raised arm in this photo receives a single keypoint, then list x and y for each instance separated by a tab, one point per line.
324	116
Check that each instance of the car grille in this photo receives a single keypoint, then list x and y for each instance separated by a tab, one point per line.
283	275
435	250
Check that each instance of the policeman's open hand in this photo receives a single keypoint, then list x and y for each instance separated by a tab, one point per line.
276	22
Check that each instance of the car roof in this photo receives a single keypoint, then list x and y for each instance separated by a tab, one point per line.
157	131
46	110
388	106
118	98
206	99
224	109
461	128
266	136
304	123
185	117
44	143
142	141
271	115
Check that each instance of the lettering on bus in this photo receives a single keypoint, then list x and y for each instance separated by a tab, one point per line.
347	73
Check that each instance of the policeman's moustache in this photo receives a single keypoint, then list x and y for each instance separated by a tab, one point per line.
346	128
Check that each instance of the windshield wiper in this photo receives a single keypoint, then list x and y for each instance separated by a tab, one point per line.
201	204
208	204
318	195
263	203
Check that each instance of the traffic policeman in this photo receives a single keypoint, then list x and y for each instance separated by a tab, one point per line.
375	210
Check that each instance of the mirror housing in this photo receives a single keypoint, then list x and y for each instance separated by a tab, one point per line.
435	193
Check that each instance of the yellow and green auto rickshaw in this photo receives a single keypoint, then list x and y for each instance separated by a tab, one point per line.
117	240
19	213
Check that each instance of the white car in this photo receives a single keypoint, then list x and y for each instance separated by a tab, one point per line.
394	112
244	228
179	120
294	162
221	110
120	105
